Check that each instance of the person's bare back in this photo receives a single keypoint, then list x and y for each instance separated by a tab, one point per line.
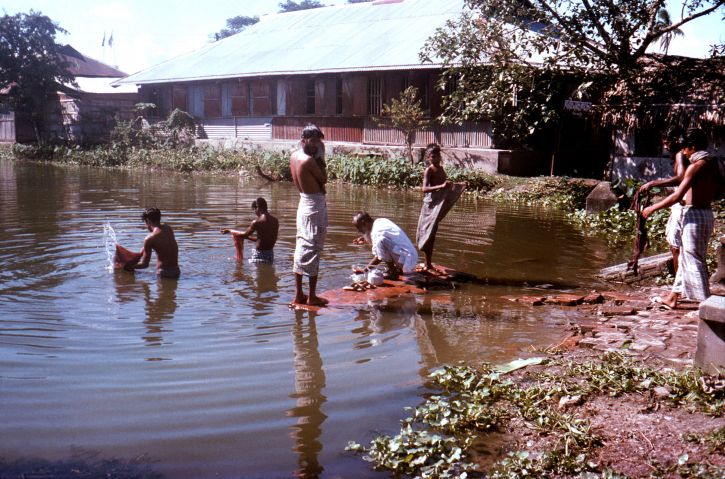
163	242
267	229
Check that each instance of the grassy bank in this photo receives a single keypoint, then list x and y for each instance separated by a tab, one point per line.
544	412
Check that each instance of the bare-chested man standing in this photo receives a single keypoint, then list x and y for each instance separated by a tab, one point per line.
162	241
698	188
309	174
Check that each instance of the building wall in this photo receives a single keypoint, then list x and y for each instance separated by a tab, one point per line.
343	105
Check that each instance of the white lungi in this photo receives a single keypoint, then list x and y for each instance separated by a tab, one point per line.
311	232
692	280
673	230
390	243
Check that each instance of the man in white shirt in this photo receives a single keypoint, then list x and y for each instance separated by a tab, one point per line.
389	243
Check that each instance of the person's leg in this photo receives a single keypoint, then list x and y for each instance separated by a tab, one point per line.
428	255
300	297
675	258
696	230
313	299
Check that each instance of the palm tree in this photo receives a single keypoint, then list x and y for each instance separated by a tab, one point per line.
663	21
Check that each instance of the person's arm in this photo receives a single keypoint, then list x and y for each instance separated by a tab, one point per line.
244	234
427	188
680	167
679	193
145	256
373	262
318	170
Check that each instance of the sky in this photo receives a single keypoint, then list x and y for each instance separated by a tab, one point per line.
148	32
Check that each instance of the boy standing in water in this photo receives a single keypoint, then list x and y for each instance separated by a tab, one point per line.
440	195
265	226
162	241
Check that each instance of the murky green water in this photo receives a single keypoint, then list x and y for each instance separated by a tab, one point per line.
213	376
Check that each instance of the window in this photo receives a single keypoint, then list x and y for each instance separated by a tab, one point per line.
310	95
238	94
375	95
338	96
212	101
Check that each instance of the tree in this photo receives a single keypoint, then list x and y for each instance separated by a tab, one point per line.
291	6
235	25
664	20
516	61
406	115
30	59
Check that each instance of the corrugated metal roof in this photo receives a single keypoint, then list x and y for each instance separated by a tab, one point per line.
101	85
351	37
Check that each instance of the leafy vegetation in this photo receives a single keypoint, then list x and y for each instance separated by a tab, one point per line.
31	66
406	115
435	440
516	62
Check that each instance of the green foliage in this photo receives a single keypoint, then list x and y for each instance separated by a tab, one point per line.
234	26
557	192
514	62
393	173
406	115
471	402
292	6
31	63
714	440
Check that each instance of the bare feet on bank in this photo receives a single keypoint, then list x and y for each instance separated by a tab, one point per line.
310	301
317	301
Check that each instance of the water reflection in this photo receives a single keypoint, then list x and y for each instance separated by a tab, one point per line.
258	285
160	305
309	383
159	309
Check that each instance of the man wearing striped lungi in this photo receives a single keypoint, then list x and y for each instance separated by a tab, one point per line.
698	188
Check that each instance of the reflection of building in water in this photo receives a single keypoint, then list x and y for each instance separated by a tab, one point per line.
159	310
309	383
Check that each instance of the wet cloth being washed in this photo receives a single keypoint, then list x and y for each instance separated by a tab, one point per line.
390	243
692	279
311	232
436	205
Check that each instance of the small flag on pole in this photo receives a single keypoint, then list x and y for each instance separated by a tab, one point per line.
103	42
110	39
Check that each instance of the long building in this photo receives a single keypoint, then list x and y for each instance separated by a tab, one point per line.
333	66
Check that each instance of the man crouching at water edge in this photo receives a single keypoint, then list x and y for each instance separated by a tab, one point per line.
309	174
265	226
162	241
389	243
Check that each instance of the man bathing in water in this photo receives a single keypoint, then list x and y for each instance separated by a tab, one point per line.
265	226
440	195
309	174
162	241
698	188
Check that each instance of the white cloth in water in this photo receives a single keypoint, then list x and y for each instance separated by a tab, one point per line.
311	232
390	243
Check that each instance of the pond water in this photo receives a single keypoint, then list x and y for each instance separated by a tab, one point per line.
213	375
